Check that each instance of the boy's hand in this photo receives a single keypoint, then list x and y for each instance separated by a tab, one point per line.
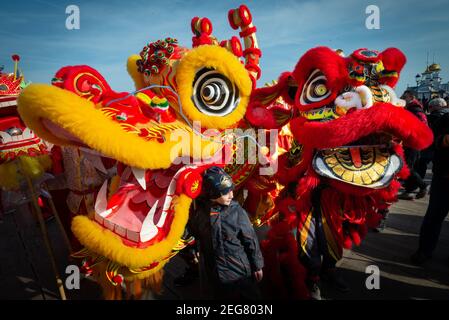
258	275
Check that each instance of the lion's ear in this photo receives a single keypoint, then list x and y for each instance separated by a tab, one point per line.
134	72
82	80
393	60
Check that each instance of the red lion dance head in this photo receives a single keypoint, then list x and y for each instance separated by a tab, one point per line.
349	129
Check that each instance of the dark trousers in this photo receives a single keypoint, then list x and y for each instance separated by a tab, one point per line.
414	180
318	263
243	289
423	162
436	213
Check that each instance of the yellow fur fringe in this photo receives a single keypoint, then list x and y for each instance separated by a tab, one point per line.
218	58
83	120
106	243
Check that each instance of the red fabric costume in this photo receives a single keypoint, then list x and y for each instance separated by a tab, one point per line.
349	129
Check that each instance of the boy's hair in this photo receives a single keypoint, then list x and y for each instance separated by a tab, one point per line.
216	182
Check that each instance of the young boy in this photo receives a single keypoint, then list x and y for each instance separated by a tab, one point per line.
228	245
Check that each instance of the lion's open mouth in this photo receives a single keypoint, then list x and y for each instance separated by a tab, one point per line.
359	148
140	213
368	162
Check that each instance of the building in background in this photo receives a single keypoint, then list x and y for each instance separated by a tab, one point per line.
429	84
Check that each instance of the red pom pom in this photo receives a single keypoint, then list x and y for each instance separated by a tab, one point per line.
193	25
236	46
245	15
206	26
192	185
231	19
189	183
15	57
118	279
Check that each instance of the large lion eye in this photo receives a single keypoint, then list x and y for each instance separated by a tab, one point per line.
315	88
213	87
213	93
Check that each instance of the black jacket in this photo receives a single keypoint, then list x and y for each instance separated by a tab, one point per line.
227	241
440	127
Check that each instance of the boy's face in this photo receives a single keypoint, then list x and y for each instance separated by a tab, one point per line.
225	199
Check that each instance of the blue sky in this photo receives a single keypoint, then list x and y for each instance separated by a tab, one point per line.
112	30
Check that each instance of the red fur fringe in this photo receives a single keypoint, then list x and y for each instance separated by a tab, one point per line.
361	123
286	275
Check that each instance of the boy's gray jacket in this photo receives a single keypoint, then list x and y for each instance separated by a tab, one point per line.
227	241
